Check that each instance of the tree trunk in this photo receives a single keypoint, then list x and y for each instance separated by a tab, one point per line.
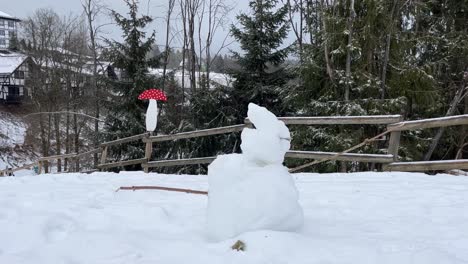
58	142
170	8
383	88
325	43
352	15
44	146
76	140
67	139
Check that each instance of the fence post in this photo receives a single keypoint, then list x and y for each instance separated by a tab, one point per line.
148	152
104	155
393	146
39	167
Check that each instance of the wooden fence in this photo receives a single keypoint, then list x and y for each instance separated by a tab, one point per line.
390	162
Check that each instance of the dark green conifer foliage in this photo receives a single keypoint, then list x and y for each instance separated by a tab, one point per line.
126	113
261	75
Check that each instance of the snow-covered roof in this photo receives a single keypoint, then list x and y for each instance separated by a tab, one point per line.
9	61
7	16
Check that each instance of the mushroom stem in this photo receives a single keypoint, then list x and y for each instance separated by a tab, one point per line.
151	115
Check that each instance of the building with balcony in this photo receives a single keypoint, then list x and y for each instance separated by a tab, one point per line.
8	29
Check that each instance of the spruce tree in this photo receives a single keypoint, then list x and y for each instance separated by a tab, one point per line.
262	74
125	112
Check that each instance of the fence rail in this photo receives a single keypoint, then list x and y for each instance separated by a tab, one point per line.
339	120
430	123
196	133
436	165
394	123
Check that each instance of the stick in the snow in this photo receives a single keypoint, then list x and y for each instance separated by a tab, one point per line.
134	188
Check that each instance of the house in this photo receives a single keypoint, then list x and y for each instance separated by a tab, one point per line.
8	29
13	72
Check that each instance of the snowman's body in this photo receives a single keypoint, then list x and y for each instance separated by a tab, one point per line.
253	190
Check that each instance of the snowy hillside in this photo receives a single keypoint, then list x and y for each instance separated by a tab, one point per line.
12	130
12	137
349	218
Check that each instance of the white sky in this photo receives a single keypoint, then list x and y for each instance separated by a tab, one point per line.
155	8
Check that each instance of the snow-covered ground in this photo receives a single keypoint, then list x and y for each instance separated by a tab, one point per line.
349	218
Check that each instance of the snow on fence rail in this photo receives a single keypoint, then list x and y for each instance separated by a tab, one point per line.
394	126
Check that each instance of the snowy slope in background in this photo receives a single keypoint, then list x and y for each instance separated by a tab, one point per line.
12	130
12	137
349	218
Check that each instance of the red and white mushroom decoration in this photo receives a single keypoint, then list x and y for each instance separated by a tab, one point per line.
152	95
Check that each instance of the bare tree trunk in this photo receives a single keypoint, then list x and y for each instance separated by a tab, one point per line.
92	10
76	140
297	30
352	15
170	8
201	16
325	43
44	145
217	11
383	87
67	138
193	7
183	13
58	142
192	54
453	106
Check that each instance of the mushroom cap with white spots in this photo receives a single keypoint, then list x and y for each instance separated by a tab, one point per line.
154	94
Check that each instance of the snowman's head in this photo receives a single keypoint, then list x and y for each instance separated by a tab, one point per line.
269	141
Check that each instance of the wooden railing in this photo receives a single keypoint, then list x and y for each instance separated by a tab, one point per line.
339	120
390	160
438	165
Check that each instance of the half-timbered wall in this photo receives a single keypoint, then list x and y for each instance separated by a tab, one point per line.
12	85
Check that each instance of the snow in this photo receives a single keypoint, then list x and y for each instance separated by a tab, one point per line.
12	130
349	218
9	62
5	15
237	180
269	141
13	153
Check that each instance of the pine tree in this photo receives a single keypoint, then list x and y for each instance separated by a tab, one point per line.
262	74
125	112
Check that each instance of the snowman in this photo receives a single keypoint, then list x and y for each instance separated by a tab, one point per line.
253	190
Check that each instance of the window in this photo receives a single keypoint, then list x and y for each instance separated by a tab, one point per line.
2	23
13	91
2	32
2	42
11	23
19	74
